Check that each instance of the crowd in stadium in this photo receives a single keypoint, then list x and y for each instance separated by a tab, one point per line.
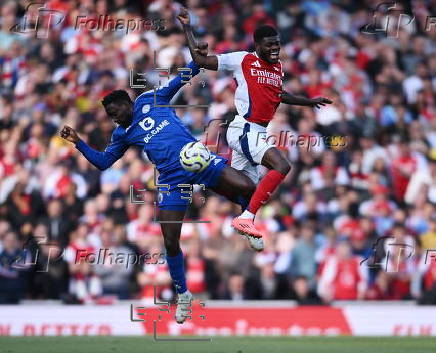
354	220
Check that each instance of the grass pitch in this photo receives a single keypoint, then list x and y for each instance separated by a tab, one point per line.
218	345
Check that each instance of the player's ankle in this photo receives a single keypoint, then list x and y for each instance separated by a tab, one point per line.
247	215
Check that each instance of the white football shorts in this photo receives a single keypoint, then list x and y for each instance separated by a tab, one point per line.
248	142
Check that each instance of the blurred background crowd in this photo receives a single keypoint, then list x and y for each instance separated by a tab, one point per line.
355	218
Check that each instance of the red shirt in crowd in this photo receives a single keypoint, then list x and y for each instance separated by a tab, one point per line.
402	169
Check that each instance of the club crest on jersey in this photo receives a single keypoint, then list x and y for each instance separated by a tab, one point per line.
145	108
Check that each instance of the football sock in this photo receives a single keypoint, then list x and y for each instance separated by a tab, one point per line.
177	272
247	214
243	202
264	190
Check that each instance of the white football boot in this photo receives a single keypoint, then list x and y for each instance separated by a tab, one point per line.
245	227
184	307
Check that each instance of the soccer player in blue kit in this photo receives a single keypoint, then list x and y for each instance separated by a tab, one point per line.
162	135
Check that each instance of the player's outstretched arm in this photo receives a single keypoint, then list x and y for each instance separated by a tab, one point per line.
101	160
209	62
182	78
288	98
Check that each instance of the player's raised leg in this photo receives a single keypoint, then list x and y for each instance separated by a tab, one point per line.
278	167
239	188
171	233
250	149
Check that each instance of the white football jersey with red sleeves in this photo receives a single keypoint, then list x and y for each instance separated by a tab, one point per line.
259	84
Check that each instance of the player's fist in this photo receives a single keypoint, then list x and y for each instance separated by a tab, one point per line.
202	48
69	134
183	16
320	101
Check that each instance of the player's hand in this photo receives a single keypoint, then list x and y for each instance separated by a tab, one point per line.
183	16
202	48
69	134
320	101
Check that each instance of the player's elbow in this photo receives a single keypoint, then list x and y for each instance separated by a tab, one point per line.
103	166
106	161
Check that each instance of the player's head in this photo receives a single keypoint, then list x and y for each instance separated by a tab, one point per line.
119	107
267	43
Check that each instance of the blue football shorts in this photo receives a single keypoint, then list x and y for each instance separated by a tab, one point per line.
172	195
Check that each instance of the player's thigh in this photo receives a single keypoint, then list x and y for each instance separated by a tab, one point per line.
273	158
240	162
234	183
255	145
234	134
248	140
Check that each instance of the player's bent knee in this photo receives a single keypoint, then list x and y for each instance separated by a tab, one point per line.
273	159
283	166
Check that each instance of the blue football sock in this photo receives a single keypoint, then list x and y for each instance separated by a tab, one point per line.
177	272
243	202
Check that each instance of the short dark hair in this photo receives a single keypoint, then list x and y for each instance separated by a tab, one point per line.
118	95
264	31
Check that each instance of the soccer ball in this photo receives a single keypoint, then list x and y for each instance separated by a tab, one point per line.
195	157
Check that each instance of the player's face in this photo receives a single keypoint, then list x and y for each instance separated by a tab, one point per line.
120	113
268	49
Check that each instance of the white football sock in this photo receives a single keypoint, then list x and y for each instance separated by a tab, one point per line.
247	215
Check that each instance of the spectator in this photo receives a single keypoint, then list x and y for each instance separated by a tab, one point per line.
399	264
402	169
58	225
23	205
303	294
329	174
428	239
235	288
115	275
342	277
303	255
422	183
152	276
84	283
14	262
52	275
195	269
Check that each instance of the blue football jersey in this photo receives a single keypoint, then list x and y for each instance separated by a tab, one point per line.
161	134
155	126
